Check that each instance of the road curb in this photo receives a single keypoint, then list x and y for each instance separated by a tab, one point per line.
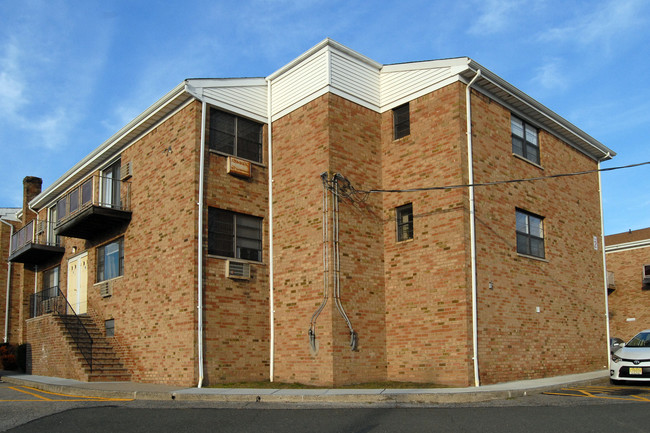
339	396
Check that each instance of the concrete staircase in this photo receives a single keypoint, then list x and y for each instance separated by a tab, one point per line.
106	365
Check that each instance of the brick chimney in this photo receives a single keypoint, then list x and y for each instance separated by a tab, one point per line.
31	188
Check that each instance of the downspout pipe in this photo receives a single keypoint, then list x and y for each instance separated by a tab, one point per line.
602	245
200	247
472	227
6	336
271	263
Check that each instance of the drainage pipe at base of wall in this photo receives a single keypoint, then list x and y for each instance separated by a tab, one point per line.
200	247
270	182
11	234
472	227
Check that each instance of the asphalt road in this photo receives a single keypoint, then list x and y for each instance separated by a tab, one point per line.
589	409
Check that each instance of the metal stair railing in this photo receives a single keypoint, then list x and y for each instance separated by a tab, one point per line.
53	300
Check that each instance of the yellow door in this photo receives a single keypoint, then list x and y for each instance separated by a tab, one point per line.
78	283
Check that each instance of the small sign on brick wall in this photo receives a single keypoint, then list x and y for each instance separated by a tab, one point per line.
238	167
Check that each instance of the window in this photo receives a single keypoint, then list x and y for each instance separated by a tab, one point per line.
234	235
51	282
530	234
109	327
524	140
110	186
401	121
235	135
404	216
110	260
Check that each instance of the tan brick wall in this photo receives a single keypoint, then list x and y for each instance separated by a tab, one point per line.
47	352
568	334
427	294
629	300
236	311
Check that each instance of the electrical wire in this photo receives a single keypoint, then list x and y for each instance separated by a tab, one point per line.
498	182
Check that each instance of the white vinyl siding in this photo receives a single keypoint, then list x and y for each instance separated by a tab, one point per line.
247	101
356	79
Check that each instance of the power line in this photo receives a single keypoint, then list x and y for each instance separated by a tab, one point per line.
500	182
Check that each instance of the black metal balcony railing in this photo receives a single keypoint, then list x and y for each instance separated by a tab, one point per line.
53	301
34	243
93	206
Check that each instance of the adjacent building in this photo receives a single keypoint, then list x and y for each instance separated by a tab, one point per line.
338	221
628	271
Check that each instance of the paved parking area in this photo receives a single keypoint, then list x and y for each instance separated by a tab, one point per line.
18	393
610	392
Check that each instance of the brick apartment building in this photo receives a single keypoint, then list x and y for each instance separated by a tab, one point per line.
305	227
628	269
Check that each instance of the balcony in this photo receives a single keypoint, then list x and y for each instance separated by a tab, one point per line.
99	205
35	244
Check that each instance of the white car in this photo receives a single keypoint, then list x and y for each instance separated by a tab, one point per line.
632	360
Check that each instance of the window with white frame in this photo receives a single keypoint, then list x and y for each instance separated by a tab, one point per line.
530	234
232	234
110	260
524	139
111	186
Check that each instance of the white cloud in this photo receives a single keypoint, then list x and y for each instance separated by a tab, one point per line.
601	25
550	76
495	16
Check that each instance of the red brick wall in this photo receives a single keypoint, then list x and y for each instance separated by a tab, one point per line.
427	295
568	334
629	300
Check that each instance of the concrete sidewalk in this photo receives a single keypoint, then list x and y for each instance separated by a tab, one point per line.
143	391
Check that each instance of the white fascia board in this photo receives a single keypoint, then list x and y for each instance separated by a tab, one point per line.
459	63
325	44
644	243
603	152
109	147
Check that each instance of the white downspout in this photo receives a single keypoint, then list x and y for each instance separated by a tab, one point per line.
270	182
602	244
200	246
472	228
11	234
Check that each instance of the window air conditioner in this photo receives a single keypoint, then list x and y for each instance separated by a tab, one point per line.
238	270
646	274
105	289
126	171
40	227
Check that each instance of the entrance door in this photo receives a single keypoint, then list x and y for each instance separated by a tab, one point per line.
78	283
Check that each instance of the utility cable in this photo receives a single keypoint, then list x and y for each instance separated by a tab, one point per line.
498	182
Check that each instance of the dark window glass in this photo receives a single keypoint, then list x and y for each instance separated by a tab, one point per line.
401	121
524	139
530	234
234	235
110	260
109	326
404	215
86	192
235	135
61	211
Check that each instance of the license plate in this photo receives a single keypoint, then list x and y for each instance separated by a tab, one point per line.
636	370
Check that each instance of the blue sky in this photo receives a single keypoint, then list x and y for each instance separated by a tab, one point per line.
74	72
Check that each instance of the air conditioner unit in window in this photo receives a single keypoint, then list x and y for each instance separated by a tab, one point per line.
646	274
238	270
126	171
40	227
106	289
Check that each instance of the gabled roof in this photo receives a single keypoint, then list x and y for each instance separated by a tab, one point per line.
327	67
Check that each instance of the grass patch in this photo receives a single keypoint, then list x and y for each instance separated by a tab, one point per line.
368	385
